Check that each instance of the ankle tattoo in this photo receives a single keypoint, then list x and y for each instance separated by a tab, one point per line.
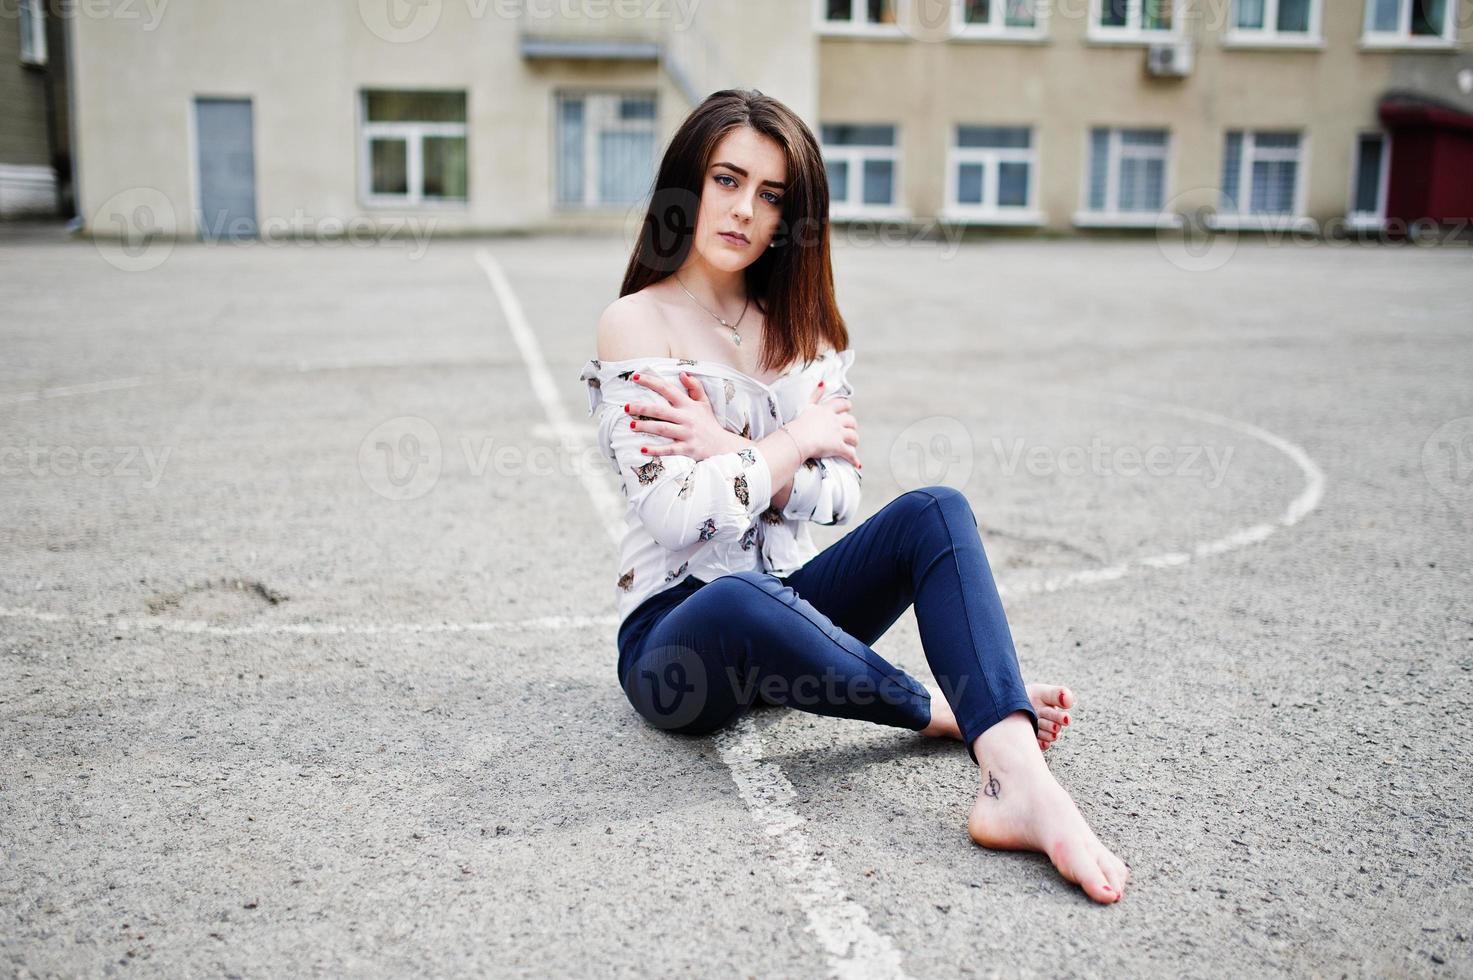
992	787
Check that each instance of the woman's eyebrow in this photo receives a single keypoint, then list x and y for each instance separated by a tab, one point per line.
743	172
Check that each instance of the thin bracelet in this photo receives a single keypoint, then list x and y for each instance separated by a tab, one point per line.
784	429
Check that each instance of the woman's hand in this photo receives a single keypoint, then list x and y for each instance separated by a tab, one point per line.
689	420
827	428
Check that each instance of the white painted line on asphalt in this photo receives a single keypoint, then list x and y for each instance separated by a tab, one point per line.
206	628
116	384
853	948
607	503
1308	499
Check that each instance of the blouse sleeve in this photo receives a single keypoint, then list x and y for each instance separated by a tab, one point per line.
680	501
826	491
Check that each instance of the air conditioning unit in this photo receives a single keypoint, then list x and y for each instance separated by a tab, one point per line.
1172	59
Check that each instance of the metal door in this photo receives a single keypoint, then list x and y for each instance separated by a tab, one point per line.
227	168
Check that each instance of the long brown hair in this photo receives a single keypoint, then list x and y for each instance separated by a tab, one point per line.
792	284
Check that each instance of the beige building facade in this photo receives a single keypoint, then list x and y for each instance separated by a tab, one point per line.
224	119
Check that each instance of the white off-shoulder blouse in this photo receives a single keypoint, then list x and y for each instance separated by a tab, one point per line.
714	517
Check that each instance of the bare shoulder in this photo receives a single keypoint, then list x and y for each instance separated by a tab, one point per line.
632	326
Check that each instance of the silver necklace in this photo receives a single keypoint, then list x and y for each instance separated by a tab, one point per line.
736	338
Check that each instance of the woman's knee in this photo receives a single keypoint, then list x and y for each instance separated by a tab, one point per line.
948	500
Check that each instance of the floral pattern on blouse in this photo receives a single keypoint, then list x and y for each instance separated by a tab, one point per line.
715	517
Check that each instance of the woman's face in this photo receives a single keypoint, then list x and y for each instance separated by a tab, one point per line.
741	197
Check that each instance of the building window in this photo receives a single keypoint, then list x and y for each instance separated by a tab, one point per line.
992	175
869	17
1004	19
1370	173
1275	21
1409	22
1261	174
33	32
1132	20
605	148
414	147
1127	175
862	164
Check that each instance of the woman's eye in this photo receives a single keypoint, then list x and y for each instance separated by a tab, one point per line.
720	177
773	198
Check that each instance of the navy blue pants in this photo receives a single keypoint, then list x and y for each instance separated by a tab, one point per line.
695	656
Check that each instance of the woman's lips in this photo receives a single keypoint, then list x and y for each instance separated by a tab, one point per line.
736	240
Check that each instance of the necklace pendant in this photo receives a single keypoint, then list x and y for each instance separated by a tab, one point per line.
736	338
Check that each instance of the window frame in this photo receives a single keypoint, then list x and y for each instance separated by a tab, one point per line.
413	133
1403	37
1111	216
989	212
591	172
859	25
855	156
33	49
1269	35
1000	31
1132	33
1367	220
1248	219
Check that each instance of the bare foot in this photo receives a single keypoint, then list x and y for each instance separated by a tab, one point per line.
1021	807
1051	701
943	719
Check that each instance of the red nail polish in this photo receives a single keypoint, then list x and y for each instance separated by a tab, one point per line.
626	407
643	449
636	377
631	423
820	384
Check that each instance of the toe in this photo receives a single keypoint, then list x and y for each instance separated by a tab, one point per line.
1048	730
1079	864
1050	696
1114	870
1056	715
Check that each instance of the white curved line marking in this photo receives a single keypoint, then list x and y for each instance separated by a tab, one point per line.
1308	499
206	628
